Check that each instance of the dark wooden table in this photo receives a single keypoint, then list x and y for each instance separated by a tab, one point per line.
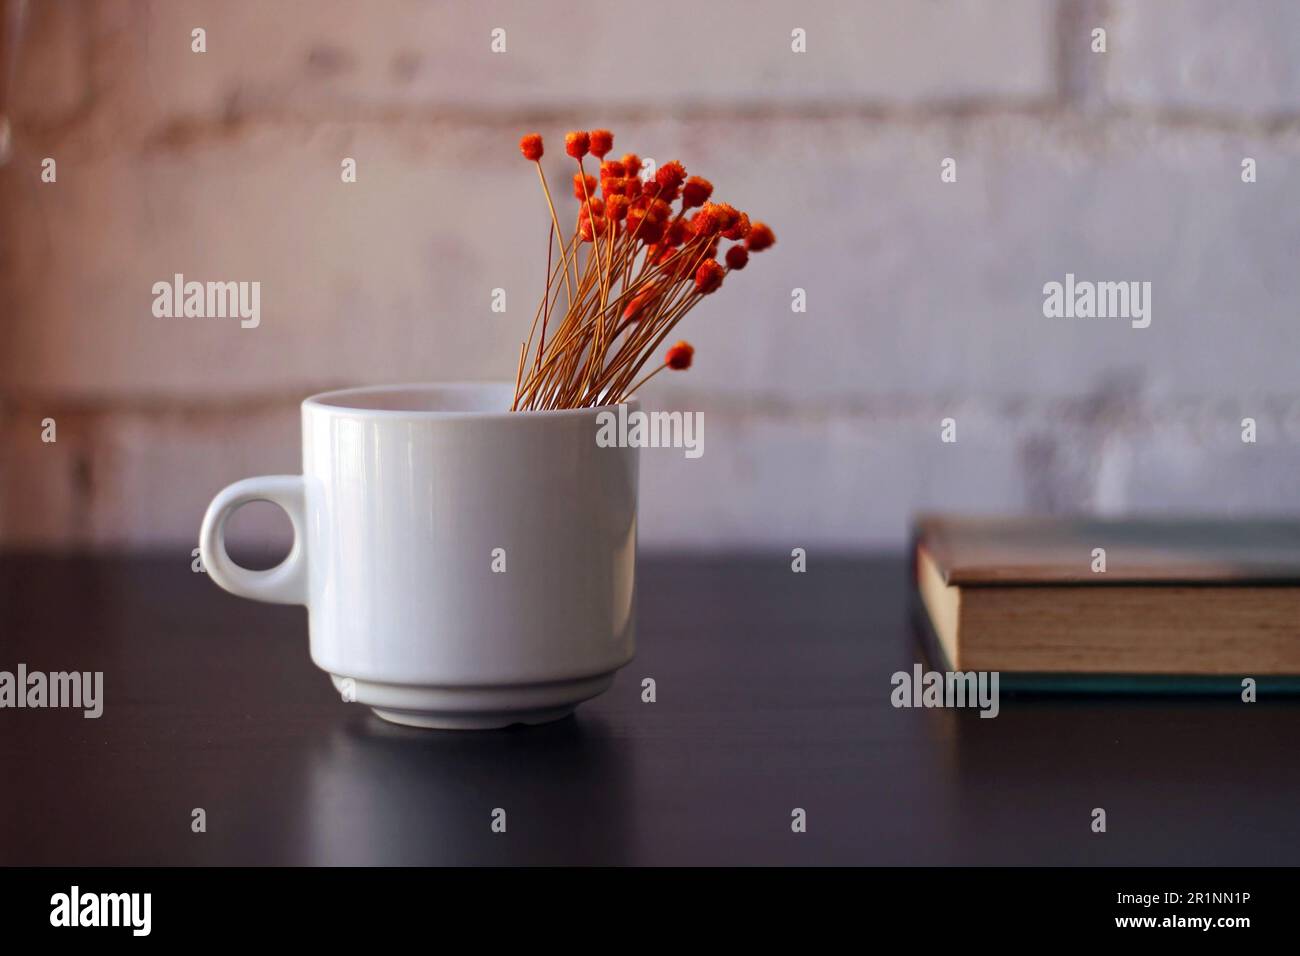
773	693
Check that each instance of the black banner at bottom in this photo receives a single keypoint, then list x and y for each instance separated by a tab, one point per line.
339	905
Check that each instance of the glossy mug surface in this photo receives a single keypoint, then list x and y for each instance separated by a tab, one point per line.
463	566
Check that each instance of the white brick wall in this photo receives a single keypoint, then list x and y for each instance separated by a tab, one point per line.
1238	59
320	57
822	428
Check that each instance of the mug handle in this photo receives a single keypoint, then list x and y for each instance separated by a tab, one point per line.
286	583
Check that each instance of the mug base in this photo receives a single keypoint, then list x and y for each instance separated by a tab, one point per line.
445	721
473	707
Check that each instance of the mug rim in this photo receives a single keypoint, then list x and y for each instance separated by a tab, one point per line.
335	401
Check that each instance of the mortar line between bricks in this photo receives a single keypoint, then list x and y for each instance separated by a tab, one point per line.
893	115
189	132
1080	409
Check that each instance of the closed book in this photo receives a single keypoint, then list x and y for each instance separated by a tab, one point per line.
1074	597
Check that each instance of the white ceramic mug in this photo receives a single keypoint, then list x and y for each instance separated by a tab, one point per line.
412	501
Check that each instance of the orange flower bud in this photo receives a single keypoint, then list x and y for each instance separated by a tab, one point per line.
576	143
589	227
760	237
679	356
658	211
675	234
739	229
696	192
671	175
602	141
612	169
705	222
616	207
631	164
708	277
578	179
636	221
651	232
737	257
531	146
727	216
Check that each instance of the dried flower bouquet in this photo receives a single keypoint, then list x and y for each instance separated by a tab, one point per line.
630	271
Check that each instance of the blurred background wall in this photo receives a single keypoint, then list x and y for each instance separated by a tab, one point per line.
822	428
